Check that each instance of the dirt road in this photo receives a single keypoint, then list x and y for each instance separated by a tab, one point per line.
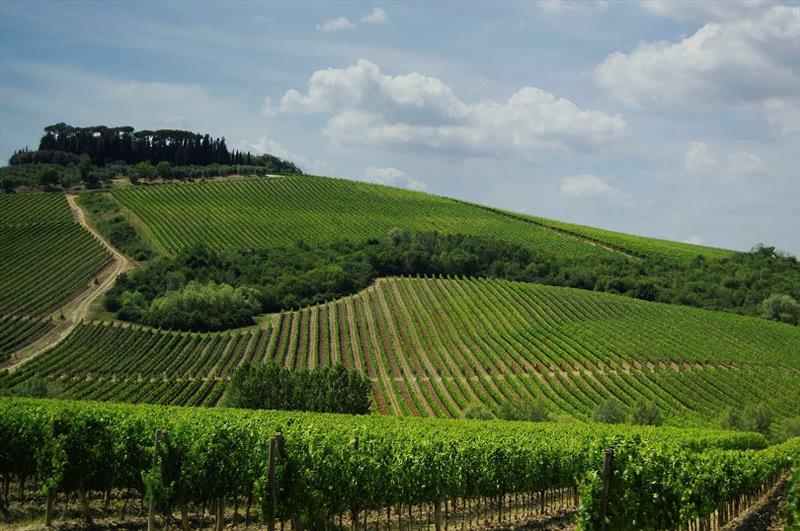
79	307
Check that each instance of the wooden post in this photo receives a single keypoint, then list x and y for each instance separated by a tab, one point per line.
220	521
48	515
87	516
608	461
437	511
151	509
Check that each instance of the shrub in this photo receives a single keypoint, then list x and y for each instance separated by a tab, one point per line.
646	414
206	307
609	411
782	308
531	410
477	412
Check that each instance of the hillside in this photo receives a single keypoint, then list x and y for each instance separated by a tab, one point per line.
280	211
434	346
45	256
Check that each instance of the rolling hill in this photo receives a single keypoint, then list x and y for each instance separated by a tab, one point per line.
433	347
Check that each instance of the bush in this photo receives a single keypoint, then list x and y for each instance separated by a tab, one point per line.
782	308
754	417
531	410
204	307
324	389
609	411
646	414
477	412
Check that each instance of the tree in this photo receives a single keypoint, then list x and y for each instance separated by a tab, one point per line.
48	176
144	170
646	414
609	411
782	308
164	170
85	170
531	410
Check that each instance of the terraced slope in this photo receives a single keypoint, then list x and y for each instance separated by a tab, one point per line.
279	211
434	346
45	257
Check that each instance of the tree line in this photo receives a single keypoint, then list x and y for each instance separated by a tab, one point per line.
331	389
185	291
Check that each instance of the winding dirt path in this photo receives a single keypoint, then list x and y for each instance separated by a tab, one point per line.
79	307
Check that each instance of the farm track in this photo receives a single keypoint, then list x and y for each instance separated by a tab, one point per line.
79	308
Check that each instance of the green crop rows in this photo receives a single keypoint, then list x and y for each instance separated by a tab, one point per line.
45	257
432	347
331	464
279	211
16	332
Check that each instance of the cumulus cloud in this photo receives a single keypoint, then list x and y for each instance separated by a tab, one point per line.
589	186
706	10
393	177
376	16
698	158
265	145
745	62
783	115
373	108
336	24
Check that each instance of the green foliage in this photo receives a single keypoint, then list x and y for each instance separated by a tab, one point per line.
164	169
45	256
331	463
662	486
200	306
325	389
39	387
279	212
646	414
531	410
782	308
754	417
47	177
477	412
792	510
107	217
610	411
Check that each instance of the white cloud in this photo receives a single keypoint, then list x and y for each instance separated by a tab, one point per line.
588	186
744	164
561	6
783	115
747	62
372	108
706	10
393	177
265	145
694	240
337	24
376	16
698	158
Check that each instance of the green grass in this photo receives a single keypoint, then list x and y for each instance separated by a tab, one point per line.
434	346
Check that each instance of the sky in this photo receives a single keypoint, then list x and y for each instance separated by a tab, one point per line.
670	119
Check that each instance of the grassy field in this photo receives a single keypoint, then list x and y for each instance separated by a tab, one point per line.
432	347
45	256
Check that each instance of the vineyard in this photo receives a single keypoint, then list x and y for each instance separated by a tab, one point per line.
18	331
327	467
281	211
45	257
432	347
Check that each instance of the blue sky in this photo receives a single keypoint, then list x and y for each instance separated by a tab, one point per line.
671	119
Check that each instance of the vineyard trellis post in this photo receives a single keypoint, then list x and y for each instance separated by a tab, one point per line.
608	462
